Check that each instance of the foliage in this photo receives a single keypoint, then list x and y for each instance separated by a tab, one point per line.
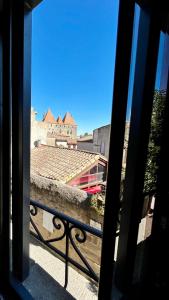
154	141
97	201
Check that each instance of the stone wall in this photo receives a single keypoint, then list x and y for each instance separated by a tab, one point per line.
88	146
72	202
50	142
63	129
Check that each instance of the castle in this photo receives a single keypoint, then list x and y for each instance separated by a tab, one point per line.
53	132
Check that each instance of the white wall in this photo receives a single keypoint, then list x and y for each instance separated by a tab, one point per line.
37	132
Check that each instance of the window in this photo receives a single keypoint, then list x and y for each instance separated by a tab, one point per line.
117	267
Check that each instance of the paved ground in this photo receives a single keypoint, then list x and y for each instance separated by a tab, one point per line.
46	278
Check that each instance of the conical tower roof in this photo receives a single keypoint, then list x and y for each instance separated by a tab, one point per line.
59	120
49	117
68	119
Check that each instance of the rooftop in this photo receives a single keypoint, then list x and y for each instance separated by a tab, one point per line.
48	117
62	164
63	191
59	120
85	138
68	119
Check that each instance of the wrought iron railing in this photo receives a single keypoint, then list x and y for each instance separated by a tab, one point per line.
73	231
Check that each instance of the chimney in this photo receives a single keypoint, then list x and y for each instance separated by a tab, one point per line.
37	143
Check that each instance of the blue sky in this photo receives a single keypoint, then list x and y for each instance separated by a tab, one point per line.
73	53
73	56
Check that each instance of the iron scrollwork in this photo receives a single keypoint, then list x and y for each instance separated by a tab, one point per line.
72	230
81	237
57	225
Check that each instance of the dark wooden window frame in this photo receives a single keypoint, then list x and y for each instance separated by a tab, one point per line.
15	104
116	278
15	97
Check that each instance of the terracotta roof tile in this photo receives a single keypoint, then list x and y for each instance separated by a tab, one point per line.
59	120
49	117
68	119
61	164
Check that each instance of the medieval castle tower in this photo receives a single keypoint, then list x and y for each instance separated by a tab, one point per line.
66	127
53	131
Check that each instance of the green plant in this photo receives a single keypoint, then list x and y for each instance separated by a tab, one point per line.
154	141
97	201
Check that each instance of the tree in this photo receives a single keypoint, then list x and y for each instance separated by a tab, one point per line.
154	141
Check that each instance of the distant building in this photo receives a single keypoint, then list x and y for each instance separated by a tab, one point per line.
54	139
53	131
65	127
101	140
76	168
85	142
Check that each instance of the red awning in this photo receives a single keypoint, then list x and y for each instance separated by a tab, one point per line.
93	189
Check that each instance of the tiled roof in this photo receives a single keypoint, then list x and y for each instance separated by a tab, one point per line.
59	120
68	119
61	164
49	117
85	138
63	191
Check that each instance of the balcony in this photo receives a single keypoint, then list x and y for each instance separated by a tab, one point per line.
65	256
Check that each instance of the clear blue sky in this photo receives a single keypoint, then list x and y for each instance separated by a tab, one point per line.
73	53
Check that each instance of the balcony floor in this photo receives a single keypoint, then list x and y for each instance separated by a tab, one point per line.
46	278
